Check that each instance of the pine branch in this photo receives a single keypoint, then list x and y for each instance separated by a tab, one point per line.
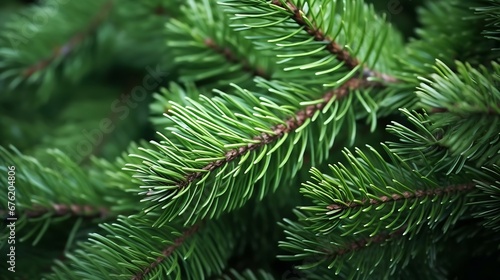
73	42
131	249
386	194
333	47
179	167
59	189
489	11
318	26
355	256
278	131
44	181
368	217
155	252
54	37
206	16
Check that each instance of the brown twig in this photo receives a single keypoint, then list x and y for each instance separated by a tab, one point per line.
405	195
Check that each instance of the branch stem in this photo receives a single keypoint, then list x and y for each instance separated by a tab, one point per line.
405	195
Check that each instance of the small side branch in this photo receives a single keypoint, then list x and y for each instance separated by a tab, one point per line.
332	46
291	124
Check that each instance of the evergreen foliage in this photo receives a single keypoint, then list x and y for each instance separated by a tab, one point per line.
250	139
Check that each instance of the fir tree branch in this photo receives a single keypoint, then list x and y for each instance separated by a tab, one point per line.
368	189
348	255
137	250
59	188
332	46
168	251
292	124
72	43
405	195
232	58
